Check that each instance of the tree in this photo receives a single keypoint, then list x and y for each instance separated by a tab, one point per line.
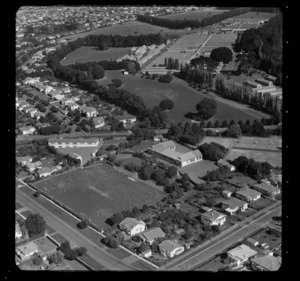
217	124
81	251
234	131
171	171
35	224
37	260
209	124
113	243
69	254
98	71
116	218
131	67
146	172
136	212
166	104
221	54
83	224
117	82
224	124
143	247
206	108
165	78
56	258
37	194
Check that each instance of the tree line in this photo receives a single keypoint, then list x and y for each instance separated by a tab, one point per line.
170	63
185	23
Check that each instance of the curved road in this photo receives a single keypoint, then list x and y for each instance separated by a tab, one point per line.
99	254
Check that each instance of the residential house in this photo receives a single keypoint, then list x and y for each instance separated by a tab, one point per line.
247	194
252	84
24	160
28	108
252	242
147	253
65	100
65	89
169	248
48	89
72	105
32	112
98	122
213	218
20	102
45	246
226	193
88	111
27	130
224	163
38	115
267	189
31	81
264	82
176	153
265	181
232	205
33	166
132	226
266	263
241	254
158	138
80	142
54	93
58	97
24	105
18	232
271	78
150	235
47	171
27	250
125	118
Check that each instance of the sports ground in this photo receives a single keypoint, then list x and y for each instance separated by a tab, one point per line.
98	192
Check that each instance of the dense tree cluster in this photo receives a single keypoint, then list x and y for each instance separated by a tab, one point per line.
221	54
202	62
212	151
252	168
199	78
264	45
69	254
188	133
218	174
234	131
165	78
35	224
206	108
185	23
166	104
170	63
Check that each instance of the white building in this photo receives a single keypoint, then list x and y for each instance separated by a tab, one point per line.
132	226
27	130
26	251
213	218
241	254
80	142
170	249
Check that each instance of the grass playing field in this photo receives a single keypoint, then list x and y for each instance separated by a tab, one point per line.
194	15
98	192
88	53
184	97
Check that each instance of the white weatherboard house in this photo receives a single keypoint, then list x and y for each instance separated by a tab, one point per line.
132	226
27	250
27	130
241	254
170	249
98	122
247	194
213	218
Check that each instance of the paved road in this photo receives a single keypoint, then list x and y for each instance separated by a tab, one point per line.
108	261
204	255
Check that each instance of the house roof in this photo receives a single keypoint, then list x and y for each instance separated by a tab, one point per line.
23	129
267	187
169	245
27	249
46	170
25	158
124	117
266	88
262	80
130	223
98	120
269	263
233	203
247	192
226	192
190	155
252	241
252	83
213	215
242	252
224	163
265	181
44	244
153	233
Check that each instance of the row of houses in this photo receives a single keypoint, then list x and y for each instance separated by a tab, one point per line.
167	248
261	85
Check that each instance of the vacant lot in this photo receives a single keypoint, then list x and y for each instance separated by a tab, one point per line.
185	98
194	15
226	142
128	28
98	192
198	170
274	158
272	143
89	53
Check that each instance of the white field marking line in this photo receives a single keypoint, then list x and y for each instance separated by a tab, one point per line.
95	230
227	237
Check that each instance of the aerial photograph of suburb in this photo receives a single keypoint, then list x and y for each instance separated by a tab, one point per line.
148	138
